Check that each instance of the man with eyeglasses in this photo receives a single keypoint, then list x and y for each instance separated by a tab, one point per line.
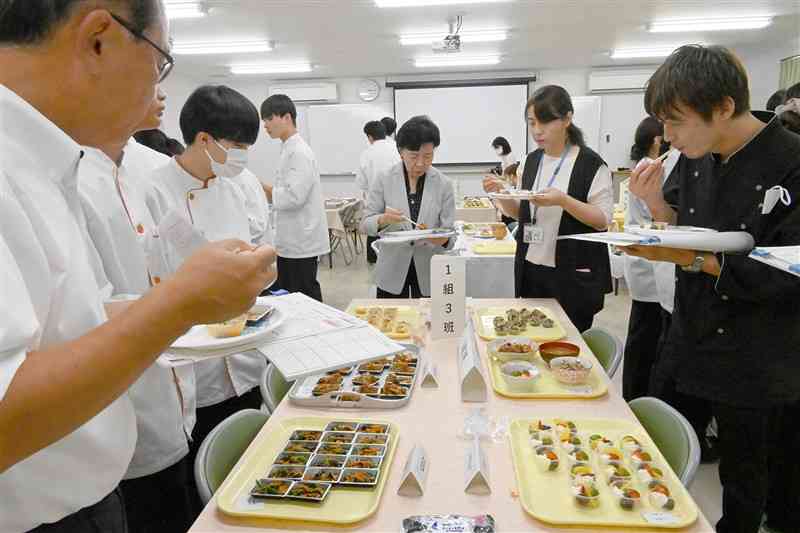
72	73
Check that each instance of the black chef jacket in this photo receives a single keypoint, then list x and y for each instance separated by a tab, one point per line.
736	338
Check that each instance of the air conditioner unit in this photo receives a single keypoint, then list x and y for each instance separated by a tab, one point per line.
327	93
618	81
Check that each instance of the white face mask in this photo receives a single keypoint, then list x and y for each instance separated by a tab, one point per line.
499	151
235	162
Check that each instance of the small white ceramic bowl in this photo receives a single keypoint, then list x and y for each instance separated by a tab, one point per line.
519	383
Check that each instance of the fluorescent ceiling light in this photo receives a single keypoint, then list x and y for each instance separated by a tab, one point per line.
229	47
427	3
710	24
184	10
477	36
455	60
634	53
271	68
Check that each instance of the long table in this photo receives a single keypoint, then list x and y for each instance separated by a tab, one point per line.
434	418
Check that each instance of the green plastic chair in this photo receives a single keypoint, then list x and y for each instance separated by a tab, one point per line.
273	387
672	434
223	447
606	347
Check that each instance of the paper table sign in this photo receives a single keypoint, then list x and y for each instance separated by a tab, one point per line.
430	376
659	518
473	381
448	295
415	472
477	470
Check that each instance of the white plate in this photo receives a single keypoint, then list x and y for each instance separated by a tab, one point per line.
198	338
672	230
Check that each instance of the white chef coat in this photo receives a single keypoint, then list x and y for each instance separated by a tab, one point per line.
257	207
601	195
124	234
219	212
50	296
649	281
507	160
301	224
378	158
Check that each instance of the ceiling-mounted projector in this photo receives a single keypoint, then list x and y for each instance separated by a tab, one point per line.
449	45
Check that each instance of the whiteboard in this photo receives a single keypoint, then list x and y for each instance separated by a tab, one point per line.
469	118
587	117
336	134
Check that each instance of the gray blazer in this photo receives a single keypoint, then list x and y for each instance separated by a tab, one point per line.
438	210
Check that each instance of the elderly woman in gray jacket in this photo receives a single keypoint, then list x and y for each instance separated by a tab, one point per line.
415	190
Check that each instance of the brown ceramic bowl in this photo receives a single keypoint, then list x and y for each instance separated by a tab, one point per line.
499	231
550	350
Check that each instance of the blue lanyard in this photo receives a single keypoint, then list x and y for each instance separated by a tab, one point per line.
549	183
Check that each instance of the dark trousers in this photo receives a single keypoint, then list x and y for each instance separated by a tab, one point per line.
641	348
106	516
160	502
410	287
545	282
372	257
207	419
298	275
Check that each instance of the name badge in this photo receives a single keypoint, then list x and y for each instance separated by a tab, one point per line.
532	234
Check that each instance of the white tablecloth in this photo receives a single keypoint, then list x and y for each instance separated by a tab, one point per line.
335	222
488	276
476	214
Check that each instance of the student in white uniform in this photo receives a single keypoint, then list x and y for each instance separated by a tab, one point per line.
503	150
67	428
573	194
647	318
380	156
122	230
257	207
391	126
301	225
218	125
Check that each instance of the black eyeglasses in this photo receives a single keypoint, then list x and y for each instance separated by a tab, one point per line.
166	66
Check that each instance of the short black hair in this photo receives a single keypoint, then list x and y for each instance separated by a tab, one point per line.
280	105
646	133
502	143
417	131
792	92
552	102
375	129
700	78
159	141
30	22
791	121
221	112
777	98
390	124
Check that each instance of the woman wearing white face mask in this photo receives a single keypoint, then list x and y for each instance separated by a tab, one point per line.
503	150
218	126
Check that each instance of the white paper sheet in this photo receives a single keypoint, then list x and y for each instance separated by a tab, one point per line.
705	241
786	258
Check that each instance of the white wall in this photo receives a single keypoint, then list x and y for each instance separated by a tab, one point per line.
763	66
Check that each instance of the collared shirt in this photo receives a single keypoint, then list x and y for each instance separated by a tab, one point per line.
380	157
414	197
50	296
125	236
301	224
219	212
257	207
737	335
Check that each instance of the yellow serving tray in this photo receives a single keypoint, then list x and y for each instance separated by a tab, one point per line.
344	505
495	248
485	315
546	385
546	495
404	313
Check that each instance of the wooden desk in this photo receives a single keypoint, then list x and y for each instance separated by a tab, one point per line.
435	418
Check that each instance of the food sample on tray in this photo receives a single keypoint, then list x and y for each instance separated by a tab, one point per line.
586	495
333	379
342	426
660	497
400	380
359	477
617	472
371	438
324	388
373	428
293	459
367	389
626	495
392	389
286	472
405	358
333	449
402	368
363	462
229	328
270	488
330	475
328	461
302	446
582	473
376	366
474	202
309	491
597	441
338	437
547	458
386	319
514	347
366	379
369	450
341	371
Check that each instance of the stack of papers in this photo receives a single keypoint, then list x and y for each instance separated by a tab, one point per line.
786	258
684	237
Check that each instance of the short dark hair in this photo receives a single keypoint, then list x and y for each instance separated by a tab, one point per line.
502	143
792	92
552	102
700	78
777	98
159	141
390	124
417	131
375	129
791	121
30	22
280	105
221	112
646	132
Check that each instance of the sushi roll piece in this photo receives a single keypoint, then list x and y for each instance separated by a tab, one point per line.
610	455
648	473
616	472
547	458
565	426
586	495
659	496
541	438
578	456
539	426
569	442
627	496
582	473
639	458
597	441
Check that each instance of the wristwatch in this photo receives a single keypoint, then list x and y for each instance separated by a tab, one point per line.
696	265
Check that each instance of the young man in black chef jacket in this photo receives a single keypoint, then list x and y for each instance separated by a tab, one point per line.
735	334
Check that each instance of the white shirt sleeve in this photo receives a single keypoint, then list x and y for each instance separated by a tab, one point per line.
362	177
520	172
18	322
601	193
297	183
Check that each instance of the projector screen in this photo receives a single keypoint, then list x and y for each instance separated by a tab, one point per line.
469	118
